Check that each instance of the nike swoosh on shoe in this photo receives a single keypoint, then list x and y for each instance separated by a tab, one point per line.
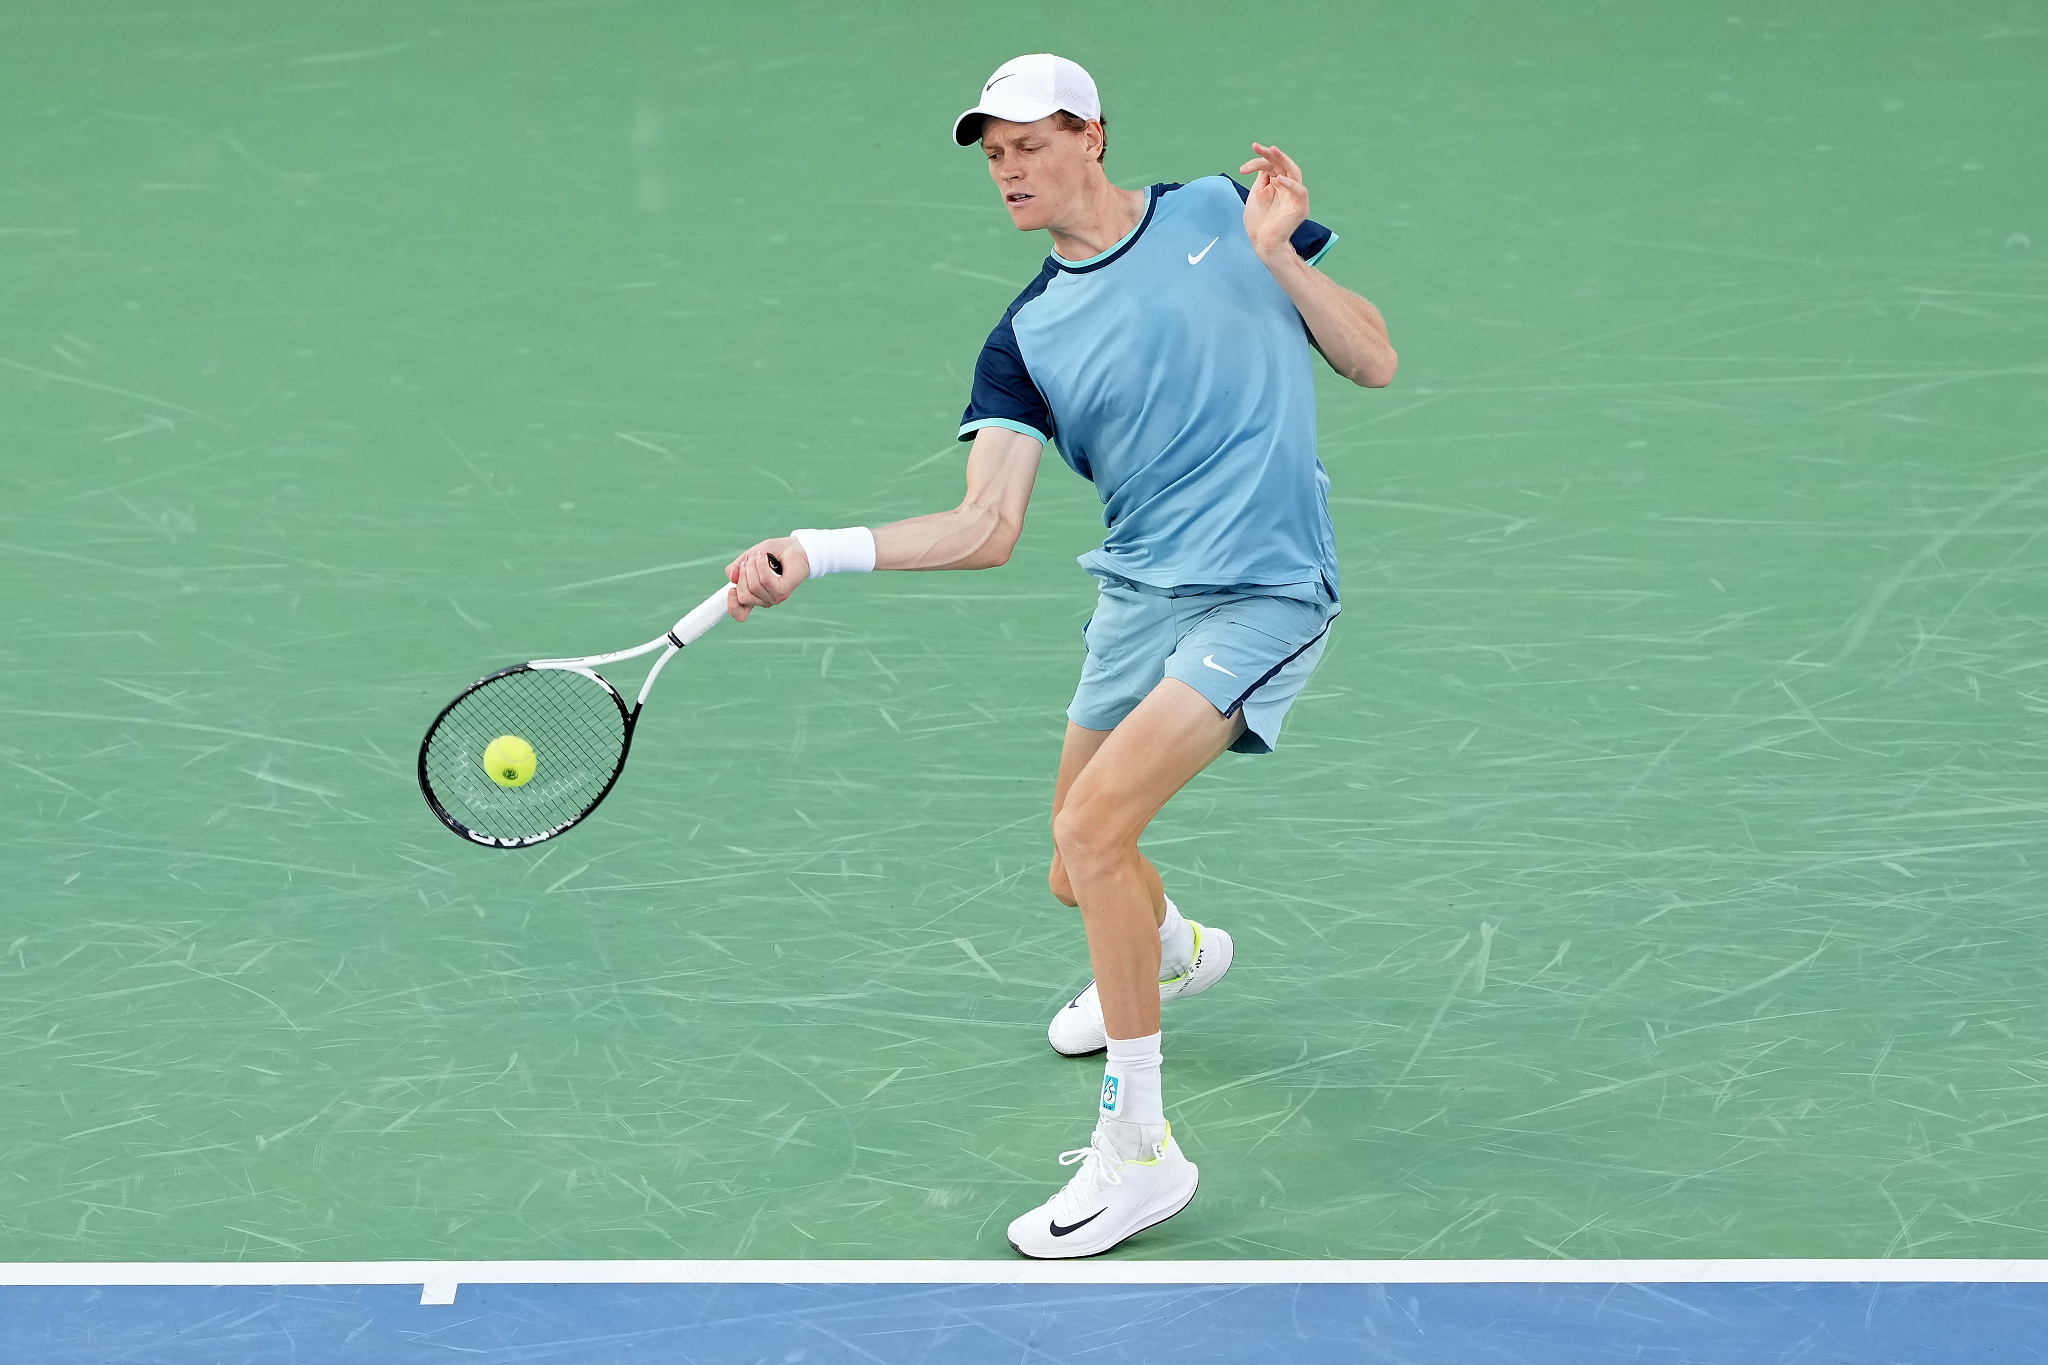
1059	1231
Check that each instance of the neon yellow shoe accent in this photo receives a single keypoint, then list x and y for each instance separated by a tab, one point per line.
1193	957
1158	1148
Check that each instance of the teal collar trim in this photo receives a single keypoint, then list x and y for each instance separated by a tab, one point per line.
1123	244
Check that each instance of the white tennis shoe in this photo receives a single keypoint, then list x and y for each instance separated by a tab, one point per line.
1077	1030
1111	1197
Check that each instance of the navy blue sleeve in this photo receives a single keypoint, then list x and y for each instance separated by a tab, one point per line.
1004	394
1310	240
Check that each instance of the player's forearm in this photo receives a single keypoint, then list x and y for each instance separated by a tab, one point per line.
965	537
1347	329
978	534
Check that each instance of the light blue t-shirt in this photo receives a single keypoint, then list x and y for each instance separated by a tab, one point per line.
1175	373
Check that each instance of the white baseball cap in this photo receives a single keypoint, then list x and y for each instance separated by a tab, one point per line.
1025	90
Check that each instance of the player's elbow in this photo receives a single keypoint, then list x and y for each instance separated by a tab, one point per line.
1375	372
993	554
997	538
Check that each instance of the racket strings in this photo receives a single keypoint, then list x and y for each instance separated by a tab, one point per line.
577	727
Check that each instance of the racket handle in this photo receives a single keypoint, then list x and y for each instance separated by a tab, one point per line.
708	613
702	617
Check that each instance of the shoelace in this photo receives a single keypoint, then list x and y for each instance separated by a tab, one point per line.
1100	1165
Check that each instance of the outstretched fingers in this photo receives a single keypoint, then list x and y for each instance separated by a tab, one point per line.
1291	190
1279	178
1278	161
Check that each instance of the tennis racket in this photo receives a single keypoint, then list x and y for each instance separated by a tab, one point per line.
529	751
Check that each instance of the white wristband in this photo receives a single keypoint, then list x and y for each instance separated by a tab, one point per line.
850	549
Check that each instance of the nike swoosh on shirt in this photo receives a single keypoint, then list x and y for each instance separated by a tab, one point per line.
1059	1231
1195	258
1209	660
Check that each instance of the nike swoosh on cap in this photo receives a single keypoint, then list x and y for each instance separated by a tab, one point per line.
1059	1231
992	84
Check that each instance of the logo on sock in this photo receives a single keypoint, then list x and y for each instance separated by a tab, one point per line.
1110	1089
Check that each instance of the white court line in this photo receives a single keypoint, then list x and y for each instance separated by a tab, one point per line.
438	1280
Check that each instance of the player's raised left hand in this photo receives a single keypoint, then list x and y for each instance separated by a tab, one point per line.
1278	203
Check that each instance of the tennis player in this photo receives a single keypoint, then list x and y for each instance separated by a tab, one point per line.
1165	348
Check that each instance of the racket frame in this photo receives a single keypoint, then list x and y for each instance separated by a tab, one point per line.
700	618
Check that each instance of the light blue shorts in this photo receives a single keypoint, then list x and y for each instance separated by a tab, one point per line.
1242	649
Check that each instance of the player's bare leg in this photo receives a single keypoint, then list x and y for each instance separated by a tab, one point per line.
1200	955
1080	746
1133	1174
1171	736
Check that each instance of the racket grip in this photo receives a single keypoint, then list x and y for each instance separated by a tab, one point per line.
708	613
702	617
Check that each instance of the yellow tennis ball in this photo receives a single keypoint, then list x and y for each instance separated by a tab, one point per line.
509	760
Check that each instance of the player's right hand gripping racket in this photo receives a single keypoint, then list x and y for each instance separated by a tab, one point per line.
528	751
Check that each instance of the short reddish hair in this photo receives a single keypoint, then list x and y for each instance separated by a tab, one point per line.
1074	123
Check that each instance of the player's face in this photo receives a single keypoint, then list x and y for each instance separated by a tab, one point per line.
1040	168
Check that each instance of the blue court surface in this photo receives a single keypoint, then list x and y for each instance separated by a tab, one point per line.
903	1313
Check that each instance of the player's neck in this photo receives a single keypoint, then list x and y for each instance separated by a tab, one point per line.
1103	215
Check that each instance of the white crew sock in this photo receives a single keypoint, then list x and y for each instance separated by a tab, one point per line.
1130	1082
1176	943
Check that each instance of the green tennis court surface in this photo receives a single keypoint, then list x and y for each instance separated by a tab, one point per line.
1654	869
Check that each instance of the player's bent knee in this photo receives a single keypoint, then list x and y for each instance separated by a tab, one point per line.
1069	836
1083	837
1062	885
